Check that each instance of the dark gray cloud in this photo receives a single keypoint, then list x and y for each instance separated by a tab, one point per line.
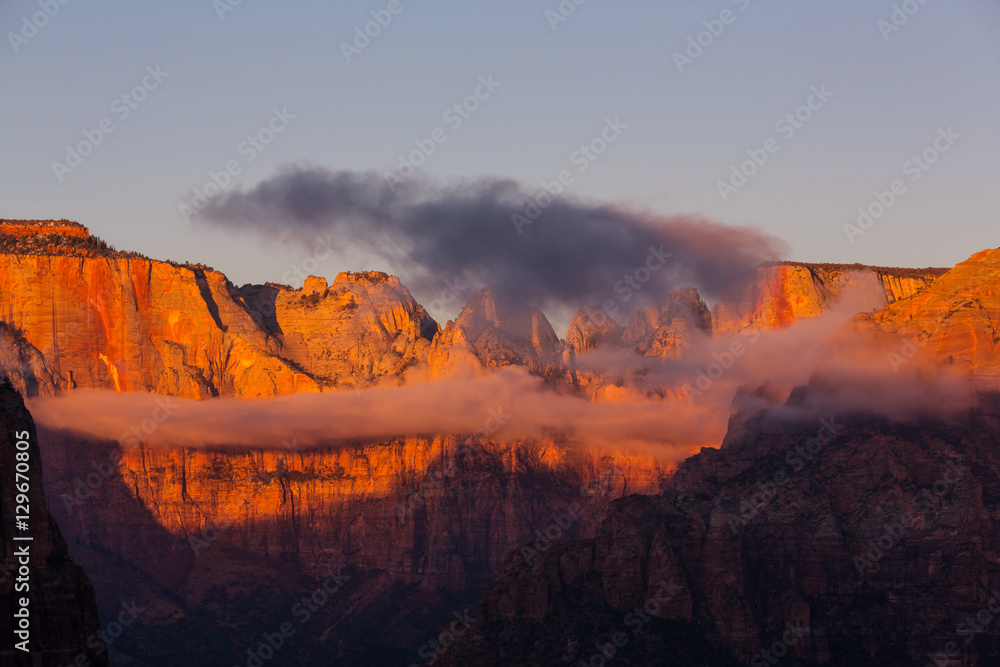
572	254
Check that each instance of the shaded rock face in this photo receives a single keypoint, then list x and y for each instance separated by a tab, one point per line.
63	613
874	543
956	320
783	294
24	365
364	327
494	330
421	522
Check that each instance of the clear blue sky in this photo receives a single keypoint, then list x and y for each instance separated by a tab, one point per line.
608	59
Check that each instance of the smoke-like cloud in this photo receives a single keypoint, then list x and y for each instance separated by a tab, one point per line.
571	254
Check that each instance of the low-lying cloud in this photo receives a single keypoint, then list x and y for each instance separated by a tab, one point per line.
513	404
507	405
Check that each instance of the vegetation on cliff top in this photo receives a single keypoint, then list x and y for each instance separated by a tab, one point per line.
902	272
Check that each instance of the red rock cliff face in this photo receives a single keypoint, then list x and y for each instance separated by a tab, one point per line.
420	524
955	321
133	324
430	512
783	294
362	328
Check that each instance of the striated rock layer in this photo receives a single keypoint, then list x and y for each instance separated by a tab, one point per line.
133	324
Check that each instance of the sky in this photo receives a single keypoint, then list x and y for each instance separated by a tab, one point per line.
884	86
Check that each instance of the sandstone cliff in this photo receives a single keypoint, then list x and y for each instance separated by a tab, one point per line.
782	294
133	324
63	613
955	321
363	327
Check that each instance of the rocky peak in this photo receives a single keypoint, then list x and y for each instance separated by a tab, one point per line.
488	310
669	327
592	328
495	330
363	327
314	284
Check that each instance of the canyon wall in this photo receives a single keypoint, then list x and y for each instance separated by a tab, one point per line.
419	524
844	540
